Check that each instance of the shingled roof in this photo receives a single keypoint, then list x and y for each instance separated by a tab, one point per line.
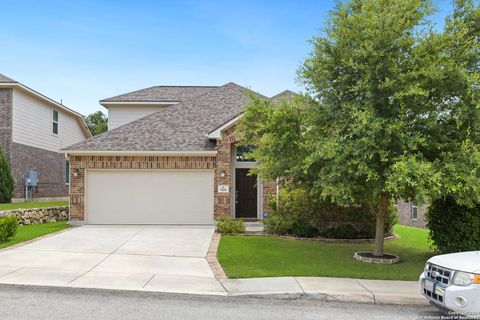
284	95
162	94
182	127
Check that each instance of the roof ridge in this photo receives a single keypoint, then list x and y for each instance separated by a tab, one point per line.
246	88
181	86
283	92
109	99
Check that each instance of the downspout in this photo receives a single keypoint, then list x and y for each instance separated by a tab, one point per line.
69	188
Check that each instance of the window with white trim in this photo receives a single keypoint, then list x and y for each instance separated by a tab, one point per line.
55	122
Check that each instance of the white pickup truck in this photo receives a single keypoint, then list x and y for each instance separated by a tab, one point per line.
452	281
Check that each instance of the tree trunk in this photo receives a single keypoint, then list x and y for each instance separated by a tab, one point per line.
380	225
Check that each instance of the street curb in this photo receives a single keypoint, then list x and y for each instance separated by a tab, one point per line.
296	296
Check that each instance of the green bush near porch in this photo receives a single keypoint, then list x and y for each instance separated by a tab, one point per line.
259	256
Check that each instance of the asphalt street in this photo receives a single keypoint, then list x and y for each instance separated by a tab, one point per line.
26	302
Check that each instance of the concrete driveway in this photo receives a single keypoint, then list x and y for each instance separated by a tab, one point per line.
150	258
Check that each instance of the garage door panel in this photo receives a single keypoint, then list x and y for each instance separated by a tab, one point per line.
149	197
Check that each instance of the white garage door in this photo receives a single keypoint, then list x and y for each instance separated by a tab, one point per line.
149	197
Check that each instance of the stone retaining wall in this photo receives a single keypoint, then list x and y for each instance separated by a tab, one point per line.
38	215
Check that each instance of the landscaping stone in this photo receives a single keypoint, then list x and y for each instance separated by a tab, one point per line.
39	215
370	258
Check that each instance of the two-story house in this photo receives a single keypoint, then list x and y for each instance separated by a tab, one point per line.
170	156
33	129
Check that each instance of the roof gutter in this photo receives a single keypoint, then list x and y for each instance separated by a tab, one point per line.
216	134
137	153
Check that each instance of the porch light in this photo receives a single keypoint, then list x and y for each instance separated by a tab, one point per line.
75	172
222	173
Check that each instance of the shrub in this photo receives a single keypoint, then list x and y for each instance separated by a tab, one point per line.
8	227
305	215
6	180
453	227
304	229
277	224
344	231
225	224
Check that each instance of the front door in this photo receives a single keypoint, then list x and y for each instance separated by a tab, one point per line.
245	194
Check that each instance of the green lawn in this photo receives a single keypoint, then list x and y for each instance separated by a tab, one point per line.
33	231
257	256
27	205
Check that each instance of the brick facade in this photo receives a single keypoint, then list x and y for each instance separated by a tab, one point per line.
51	170
225	159
6	99
82	163
221	162
405	215
224	163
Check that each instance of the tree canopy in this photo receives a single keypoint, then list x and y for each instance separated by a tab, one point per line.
391	110
97	122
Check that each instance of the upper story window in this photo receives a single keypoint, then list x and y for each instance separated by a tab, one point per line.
243	154
414	212
54	121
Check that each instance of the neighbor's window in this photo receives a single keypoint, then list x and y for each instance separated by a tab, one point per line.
67	172
54	121
243	154
414	212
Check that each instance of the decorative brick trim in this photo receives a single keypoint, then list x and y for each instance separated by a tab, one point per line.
212	257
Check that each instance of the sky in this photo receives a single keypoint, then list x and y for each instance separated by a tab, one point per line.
83	51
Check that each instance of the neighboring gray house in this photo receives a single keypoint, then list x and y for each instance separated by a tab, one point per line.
33	129
411	214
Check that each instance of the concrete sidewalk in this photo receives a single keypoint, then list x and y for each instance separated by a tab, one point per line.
325	289
331	289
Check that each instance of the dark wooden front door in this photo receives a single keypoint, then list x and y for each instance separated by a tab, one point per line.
245	194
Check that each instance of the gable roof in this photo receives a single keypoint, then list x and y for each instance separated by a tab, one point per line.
180	128
172	94
287	95
10	83
5	79
217	132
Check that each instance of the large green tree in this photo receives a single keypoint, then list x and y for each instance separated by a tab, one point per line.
97	122
391	110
